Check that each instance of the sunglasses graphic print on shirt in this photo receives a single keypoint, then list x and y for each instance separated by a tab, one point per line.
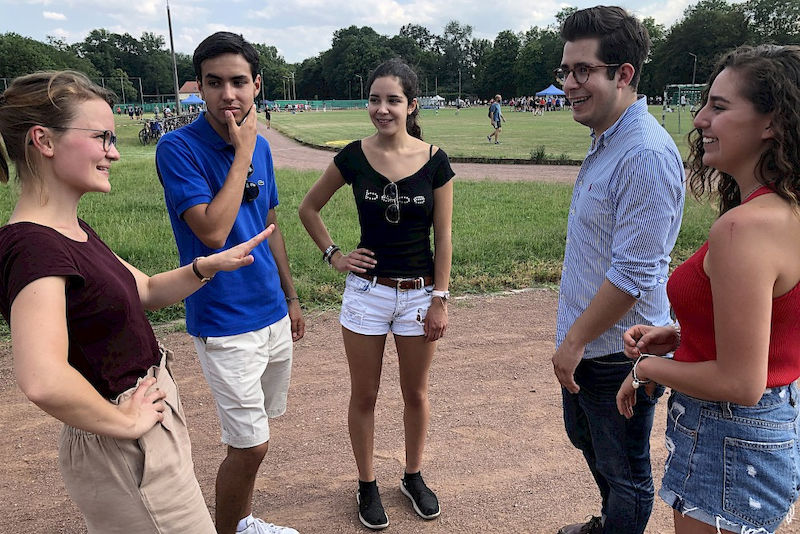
393	200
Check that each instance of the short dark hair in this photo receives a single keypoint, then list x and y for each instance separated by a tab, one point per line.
623	39
409	81
224	43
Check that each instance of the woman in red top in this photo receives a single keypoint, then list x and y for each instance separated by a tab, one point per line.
732	429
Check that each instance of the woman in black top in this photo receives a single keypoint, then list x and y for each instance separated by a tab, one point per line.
402	186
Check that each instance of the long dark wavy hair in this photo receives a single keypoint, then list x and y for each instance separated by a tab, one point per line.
410	83
771	76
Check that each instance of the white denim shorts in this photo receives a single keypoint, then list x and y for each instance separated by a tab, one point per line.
249	377
372	309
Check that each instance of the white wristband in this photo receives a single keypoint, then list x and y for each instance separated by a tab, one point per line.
444	295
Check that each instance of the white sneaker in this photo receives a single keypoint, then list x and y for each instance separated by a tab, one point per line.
259	526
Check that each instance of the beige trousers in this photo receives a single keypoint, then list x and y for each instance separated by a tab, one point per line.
143	486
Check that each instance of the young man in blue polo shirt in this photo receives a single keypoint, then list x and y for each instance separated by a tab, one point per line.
219	186
623	221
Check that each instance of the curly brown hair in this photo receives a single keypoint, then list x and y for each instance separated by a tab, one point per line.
771	76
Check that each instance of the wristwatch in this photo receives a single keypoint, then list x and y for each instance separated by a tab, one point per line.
444	295
203	279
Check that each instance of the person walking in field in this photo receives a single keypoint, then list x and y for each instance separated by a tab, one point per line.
496	118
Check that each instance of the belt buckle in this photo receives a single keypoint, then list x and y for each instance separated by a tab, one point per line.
417	283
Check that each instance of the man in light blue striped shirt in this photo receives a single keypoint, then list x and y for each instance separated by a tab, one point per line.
623	222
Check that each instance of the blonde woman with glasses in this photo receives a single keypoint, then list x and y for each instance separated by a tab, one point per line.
395	283
83	349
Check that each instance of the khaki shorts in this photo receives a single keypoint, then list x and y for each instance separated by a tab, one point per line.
143	486
249	377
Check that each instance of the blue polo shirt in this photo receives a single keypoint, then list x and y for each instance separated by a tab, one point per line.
192	163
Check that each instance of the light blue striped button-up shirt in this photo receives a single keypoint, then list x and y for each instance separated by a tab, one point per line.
623	221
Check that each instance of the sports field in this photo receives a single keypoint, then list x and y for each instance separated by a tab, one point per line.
505	235
463	133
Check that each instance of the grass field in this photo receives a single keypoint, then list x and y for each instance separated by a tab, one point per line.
505	235
463	133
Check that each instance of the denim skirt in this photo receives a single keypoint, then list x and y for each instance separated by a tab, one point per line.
732	466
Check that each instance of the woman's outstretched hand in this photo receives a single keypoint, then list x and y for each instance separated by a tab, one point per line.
234	257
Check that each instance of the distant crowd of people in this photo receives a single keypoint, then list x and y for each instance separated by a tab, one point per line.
538	104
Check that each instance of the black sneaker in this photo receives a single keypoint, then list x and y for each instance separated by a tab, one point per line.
370	508
593	526
422	498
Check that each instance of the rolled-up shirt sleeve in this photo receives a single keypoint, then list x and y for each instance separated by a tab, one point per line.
648	210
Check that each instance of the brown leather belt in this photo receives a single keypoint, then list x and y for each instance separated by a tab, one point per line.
398	283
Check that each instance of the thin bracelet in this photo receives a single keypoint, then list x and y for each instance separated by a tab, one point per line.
636	381
290	299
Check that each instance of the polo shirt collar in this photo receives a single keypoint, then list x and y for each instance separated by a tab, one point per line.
209	134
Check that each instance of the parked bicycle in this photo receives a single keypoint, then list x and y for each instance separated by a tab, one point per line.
151	131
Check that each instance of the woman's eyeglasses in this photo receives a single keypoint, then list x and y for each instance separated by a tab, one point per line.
109	138
391	196
250	188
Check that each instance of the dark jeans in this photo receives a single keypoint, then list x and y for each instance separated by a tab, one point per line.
616	449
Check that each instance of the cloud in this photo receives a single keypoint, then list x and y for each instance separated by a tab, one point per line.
52	15
300	29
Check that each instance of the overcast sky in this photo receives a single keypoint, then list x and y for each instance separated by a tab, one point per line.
298	28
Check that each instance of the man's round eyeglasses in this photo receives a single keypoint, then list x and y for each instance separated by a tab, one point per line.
580	73
109	138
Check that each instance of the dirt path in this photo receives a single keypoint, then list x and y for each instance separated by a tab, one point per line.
497	454
290	154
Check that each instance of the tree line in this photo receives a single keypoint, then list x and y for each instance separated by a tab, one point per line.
451	63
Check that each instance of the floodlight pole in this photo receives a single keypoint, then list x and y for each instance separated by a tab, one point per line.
360	87
694	68
262	86
174	65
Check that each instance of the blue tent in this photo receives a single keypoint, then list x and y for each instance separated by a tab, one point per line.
551	91
192	99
